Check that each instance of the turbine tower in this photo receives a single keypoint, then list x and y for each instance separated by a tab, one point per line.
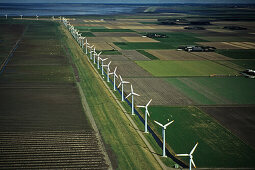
146	116
191	162
6	16
114	78
102	65
36	17
164	135
132	94
122	84
98	59
21	16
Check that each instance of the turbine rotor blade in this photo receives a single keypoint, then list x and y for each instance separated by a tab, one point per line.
158	123
119	85
141	106
148	103
115	69
128	95
193	163
182	154
125	82
168	124
148	113
131	88
191	152
136	94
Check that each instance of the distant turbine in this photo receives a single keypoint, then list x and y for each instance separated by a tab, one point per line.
94	61
86	46
21	16
190	157
108	70
36	17
122	90
114	77
146	116
53	18
6	16
90	51
164	135
132	94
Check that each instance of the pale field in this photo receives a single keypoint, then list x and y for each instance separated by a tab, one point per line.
94	20
116	34
173	55
219	45
103	46
220	30
138	20
139	39
211	56
133	55
105	39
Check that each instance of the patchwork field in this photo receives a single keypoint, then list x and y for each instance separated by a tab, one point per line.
173	55
185	68
239	120
213	90
217	146
157	89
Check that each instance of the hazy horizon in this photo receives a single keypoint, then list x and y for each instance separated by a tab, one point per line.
135	1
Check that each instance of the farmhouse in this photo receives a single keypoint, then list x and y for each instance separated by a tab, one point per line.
196	48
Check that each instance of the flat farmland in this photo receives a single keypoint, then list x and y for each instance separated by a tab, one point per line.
217	148
134	55
185	68
116	34
238	54
158	90
240	120
42	121
219	45
115	57
211	56
103	46
105	39
245	64
129	69
143	45
139	39
173	55
213	90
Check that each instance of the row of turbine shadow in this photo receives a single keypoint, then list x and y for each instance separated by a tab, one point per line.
95	57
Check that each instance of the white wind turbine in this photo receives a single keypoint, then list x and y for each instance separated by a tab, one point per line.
191	162
90	51
132	94
36	17
122	90
86	45
6	16
146	116
98	59
94	61
102	65
108	70
21	16
82	42
53	18
164	135
114	78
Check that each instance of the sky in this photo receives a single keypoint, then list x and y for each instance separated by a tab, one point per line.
127	1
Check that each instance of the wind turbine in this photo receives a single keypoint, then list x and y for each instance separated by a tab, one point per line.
94	55
86	46
164	135
114	76
6	16
191	162
82	42
102	65
36	17
146	116
53	18
122	84
108	70
90	52
132	94
98	59
21	16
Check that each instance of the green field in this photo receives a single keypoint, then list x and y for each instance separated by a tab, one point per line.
112	30
87	34
246	64
110	52
143	45
217	146
238	54
150	56
185	68
213	90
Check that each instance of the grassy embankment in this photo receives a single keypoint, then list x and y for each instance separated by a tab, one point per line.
127	149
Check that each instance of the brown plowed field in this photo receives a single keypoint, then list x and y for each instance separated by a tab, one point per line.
240	120
173	55
211	56
161	92
129	69
134	55
116	34
102	46
105	39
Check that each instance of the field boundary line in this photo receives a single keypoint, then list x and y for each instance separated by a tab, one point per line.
87	110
